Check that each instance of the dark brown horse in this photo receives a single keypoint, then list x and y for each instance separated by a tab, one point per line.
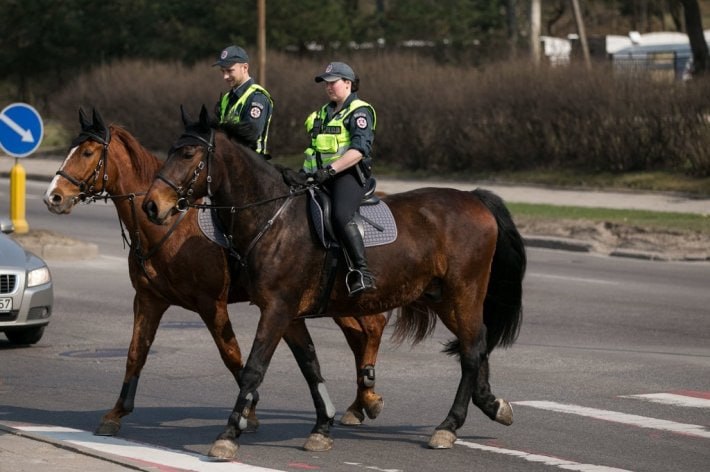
107	161
458	256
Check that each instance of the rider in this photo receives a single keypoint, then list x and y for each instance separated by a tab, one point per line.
247	102
338	158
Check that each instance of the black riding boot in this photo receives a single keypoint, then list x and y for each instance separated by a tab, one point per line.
359	278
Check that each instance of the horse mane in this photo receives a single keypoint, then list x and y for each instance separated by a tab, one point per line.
145	163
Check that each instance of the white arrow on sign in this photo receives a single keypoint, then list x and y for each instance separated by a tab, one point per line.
26	134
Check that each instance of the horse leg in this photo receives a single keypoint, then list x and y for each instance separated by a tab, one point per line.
470	352
363	335
271	329
497	409
299	341
216	318
147	312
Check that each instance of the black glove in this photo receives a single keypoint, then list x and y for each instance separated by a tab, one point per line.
291	177
323	175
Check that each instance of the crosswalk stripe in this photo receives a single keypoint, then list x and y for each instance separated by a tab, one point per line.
546	460
623	418
673	399
150	455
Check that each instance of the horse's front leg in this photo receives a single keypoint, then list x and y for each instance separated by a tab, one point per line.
147	312
363	335
216	318
272	326
299	341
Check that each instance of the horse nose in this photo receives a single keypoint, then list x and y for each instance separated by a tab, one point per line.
52	200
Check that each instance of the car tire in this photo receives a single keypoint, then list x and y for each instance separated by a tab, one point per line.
25	335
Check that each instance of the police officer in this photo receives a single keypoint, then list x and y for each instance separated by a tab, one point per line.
246	102
342	132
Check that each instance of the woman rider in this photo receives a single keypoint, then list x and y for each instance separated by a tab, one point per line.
342	132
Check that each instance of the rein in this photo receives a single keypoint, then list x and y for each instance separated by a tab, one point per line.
269	223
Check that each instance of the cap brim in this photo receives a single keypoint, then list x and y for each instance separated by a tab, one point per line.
327	78
228	63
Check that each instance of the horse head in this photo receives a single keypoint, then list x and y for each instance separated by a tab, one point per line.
84	172
185	176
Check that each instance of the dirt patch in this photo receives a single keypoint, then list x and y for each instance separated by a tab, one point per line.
607	238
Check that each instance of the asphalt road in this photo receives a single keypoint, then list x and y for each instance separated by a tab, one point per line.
605	342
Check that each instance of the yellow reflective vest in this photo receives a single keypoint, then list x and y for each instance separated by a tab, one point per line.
329	141
233	114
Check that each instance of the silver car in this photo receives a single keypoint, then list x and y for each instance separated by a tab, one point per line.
26	293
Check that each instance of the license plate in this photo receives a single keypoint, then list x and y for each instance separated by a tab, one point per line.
5	304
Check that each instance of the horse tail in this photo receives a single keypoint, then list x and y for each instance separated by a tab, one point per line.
503	306
414	322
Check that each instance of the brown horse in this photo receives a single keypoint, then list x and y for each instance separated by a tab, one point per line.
108	162
458	256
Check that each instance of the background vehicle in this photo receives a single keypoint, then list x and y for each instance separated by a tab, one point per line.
26	292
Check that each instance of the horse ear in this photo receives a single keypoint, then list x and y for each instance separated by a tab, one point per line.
99	124
185	117
204	117
83	120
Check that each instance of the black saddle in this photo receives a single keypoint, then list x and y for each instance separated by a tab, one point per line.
374	218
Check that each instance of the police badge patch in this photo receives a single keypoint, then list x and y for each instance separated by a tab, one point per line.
361	122
255	112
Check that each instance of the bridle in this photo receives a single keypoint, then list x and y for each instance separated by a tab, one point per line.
88	194
87	187
184	193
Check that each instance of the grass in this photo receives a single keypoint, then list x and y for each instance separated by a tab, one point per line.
684	222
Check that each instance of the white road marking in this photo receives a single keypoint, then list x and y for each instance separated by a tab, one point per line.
143	453
547	460
623	418
585	280
673	399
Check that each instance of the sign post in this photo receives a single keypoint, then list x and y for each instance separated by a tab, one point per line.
21	132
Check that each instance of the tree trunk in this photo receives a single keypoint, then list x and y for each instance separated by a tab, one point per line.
694	27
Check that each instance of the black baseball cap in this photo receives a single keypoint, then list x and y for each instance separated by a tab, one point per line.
232	55
335	71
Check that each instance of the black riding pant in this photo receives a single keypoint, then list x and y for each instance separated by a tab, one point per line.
346	194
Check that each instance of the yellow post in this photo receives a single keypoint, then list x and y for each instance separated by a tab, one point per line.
17	198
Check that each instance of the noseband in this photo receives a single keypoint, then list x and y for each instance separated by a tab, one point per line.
184	193
87	187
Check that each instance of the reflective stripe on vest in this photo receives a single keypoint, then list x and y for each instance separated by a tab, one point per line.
333	138
233	115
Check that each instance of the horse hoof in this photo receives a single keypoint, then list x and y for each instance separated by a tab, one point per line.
108	428
224	450
442	439
375	408
352	417
317	442
505	413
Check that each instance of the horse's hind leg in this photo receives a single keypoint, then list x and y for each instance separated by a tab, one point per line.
496	409
363	335
147	312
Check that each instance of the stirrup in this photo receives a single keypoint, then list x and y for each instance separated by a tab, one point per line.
360	282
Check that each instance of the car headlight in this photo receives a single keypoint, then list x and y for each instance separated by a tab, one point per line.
38	277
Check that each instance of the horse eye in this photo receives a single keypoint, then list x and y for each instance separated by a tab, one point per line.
87	153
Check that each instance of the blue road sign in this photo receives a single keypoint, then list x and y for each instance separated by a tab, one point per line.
21	130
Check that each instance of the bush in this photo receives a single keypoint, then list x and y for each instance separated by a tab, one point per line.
436	118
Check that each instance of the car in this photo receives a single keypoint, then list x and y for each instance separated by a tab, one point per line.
26	291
